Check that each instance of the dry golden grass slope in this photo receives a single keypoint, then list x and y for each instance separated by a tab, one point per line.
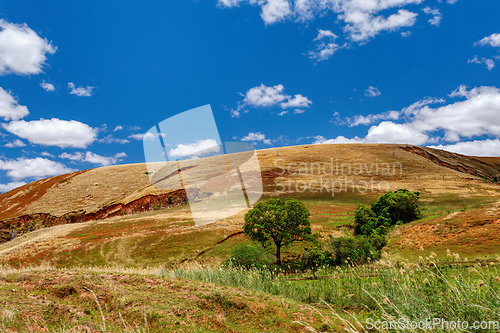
424	169
448	183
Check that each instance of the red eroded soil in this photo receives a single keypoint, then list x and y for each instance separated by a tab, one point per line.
26	223
15	201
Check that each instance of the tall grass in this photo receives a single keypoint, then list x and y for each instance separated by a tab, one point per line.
414	293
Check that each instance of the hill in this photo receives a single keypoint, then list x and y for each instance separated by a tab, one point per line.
113	215
121	300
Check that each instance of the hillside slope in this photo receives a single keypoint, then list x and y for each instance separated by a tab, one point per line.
125	189
139	232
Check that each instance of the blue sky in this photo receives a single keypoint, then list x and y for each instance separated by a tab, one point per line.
82	81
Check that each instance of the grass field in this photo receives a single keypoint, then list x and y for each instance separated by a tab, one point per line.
155	271
203	299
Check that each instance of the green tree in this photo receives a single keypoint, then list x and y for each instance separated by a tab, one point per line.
390	209
278	222
400	206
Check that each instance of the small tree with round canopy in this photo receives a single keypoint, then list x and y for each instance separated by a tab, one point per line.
278	221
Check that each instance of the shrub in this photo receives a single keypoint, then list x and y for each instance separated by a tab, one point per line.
392	208
249	256
315	258
354	251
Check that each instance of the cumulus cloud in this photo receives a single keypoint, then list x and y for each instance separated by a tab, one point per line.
490	63
201	147
385	132
492	40
263	96
142	136
297	101
32	168
390	132
256	137
118	128
325	45
90	157
473	148
340	139
272	11
362	26
436	15
22	51
275	10
372	92
10	109
10	186
473	117
47	86
359	19
15	143
80	91
371	118
54	132
111	139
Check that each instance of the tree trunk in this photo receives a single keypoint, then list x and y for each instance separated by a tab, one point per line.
278	255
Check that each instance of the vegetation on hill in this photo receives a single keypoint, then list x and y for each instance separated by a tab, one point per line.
278	222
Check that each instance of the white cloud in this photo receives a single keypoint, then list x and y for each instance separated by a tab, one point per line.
474	148
413	108
282	113
490	63
275	10
476	116
10	186
263	96
406	34
15	143
256	137
272	11
325	45
10	109
47	86
32	168
111	139
436	15
385	132
201	147
90	157
358	17
298	101
371	118
118	128
298	111
22	51
54	132
340	139
80	91
362	26
142	136
492	40
46	153
372	92
389	132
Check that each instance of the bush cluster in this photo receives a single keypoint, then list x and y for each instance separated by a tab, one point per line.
276	222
